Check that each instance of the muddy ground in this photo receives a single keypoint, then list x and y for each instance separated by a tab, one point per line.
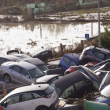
16	15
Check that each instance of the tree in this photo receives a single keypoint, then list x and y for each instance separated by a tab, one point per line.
105	38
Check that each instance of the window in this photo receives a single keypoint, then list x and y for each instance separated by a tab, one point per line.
72	63
2	60
49	90
99	55
23	72
67	92
36	72
107	57
42	67
35	95
26	97
12	100
52	80
80	85
66	60
80	69
16	68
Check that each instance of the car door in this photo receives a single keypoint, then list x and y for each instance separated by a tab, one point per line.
15	75
28	102
12	103
26	79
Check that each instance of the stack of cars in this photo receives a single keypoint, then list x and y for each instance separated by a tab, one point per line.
74	76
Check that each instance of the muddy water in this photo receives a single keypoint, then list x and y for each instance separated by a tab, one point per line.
29	36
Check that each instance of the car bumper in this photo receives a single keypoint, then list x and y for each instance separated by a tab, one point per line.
54	105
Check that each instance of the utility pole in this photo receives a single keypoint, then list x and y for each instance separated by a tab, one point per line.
99	41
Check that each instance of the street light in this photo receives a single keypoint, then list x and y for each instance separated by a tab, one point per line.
99	41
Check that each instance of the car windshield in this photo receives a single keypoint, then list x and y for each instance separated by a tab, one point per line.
58	91
43	67
106	92
36	72
49	90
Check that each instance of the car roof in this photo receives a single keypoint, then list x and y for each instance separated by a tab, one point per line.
22	55
69	79
46	78
34	61
73	56
98	48
29	88
9	57
25	65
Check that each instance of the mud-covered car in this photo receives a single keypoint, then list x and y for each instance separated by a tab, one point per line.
42	54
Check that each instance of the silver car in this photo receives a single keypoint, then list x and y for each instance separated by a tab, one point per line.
20	72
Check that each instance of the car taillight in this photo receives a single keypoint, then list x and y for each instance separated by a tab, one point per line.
48	96
85	54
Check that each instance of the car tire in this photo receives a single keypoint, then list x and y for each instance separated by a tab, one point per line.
6	78
42	108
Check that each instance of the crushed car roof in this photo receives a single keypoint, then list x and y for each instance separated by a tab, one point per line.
70	79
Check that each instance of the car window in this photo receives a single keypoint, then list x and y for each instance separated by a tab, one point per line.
12	100
16	68
80	85
2	60
36	96
99	55
72	63
107	57
60	77
80	69
26	97
23	72
42	67
53	79
36	72
67	92
66	60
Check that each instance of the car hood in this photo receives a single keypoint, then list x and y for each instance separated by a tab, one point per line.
105	81
102	100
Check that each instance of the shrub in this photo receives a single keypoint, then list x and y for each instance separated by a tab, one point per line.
105	39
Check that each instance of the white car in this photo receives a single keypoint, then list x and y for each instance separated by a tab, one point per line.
32	97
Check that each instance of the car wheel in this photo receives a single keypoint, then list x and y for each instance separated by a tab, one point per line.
42	108
6	78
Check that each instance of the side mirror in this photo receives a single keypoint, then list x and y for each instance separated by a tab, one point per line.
27	76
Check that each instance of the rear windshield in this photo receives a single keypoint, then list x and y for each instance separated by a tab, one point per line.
49	90
43	67
36	72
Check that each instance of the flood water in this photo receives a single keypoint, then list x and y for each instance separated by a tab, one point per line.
47	35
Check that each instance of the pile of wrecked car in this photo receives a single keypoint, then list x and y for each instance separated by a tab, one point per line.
76	82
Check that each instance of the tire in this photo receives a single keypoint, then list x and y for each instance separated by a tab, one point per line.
6	78
42	108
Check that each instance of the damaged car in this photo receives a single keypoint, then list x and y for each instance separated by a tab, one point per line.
74	85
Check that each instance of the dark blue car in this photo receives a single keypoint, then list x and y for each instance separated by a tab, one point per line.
70	59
